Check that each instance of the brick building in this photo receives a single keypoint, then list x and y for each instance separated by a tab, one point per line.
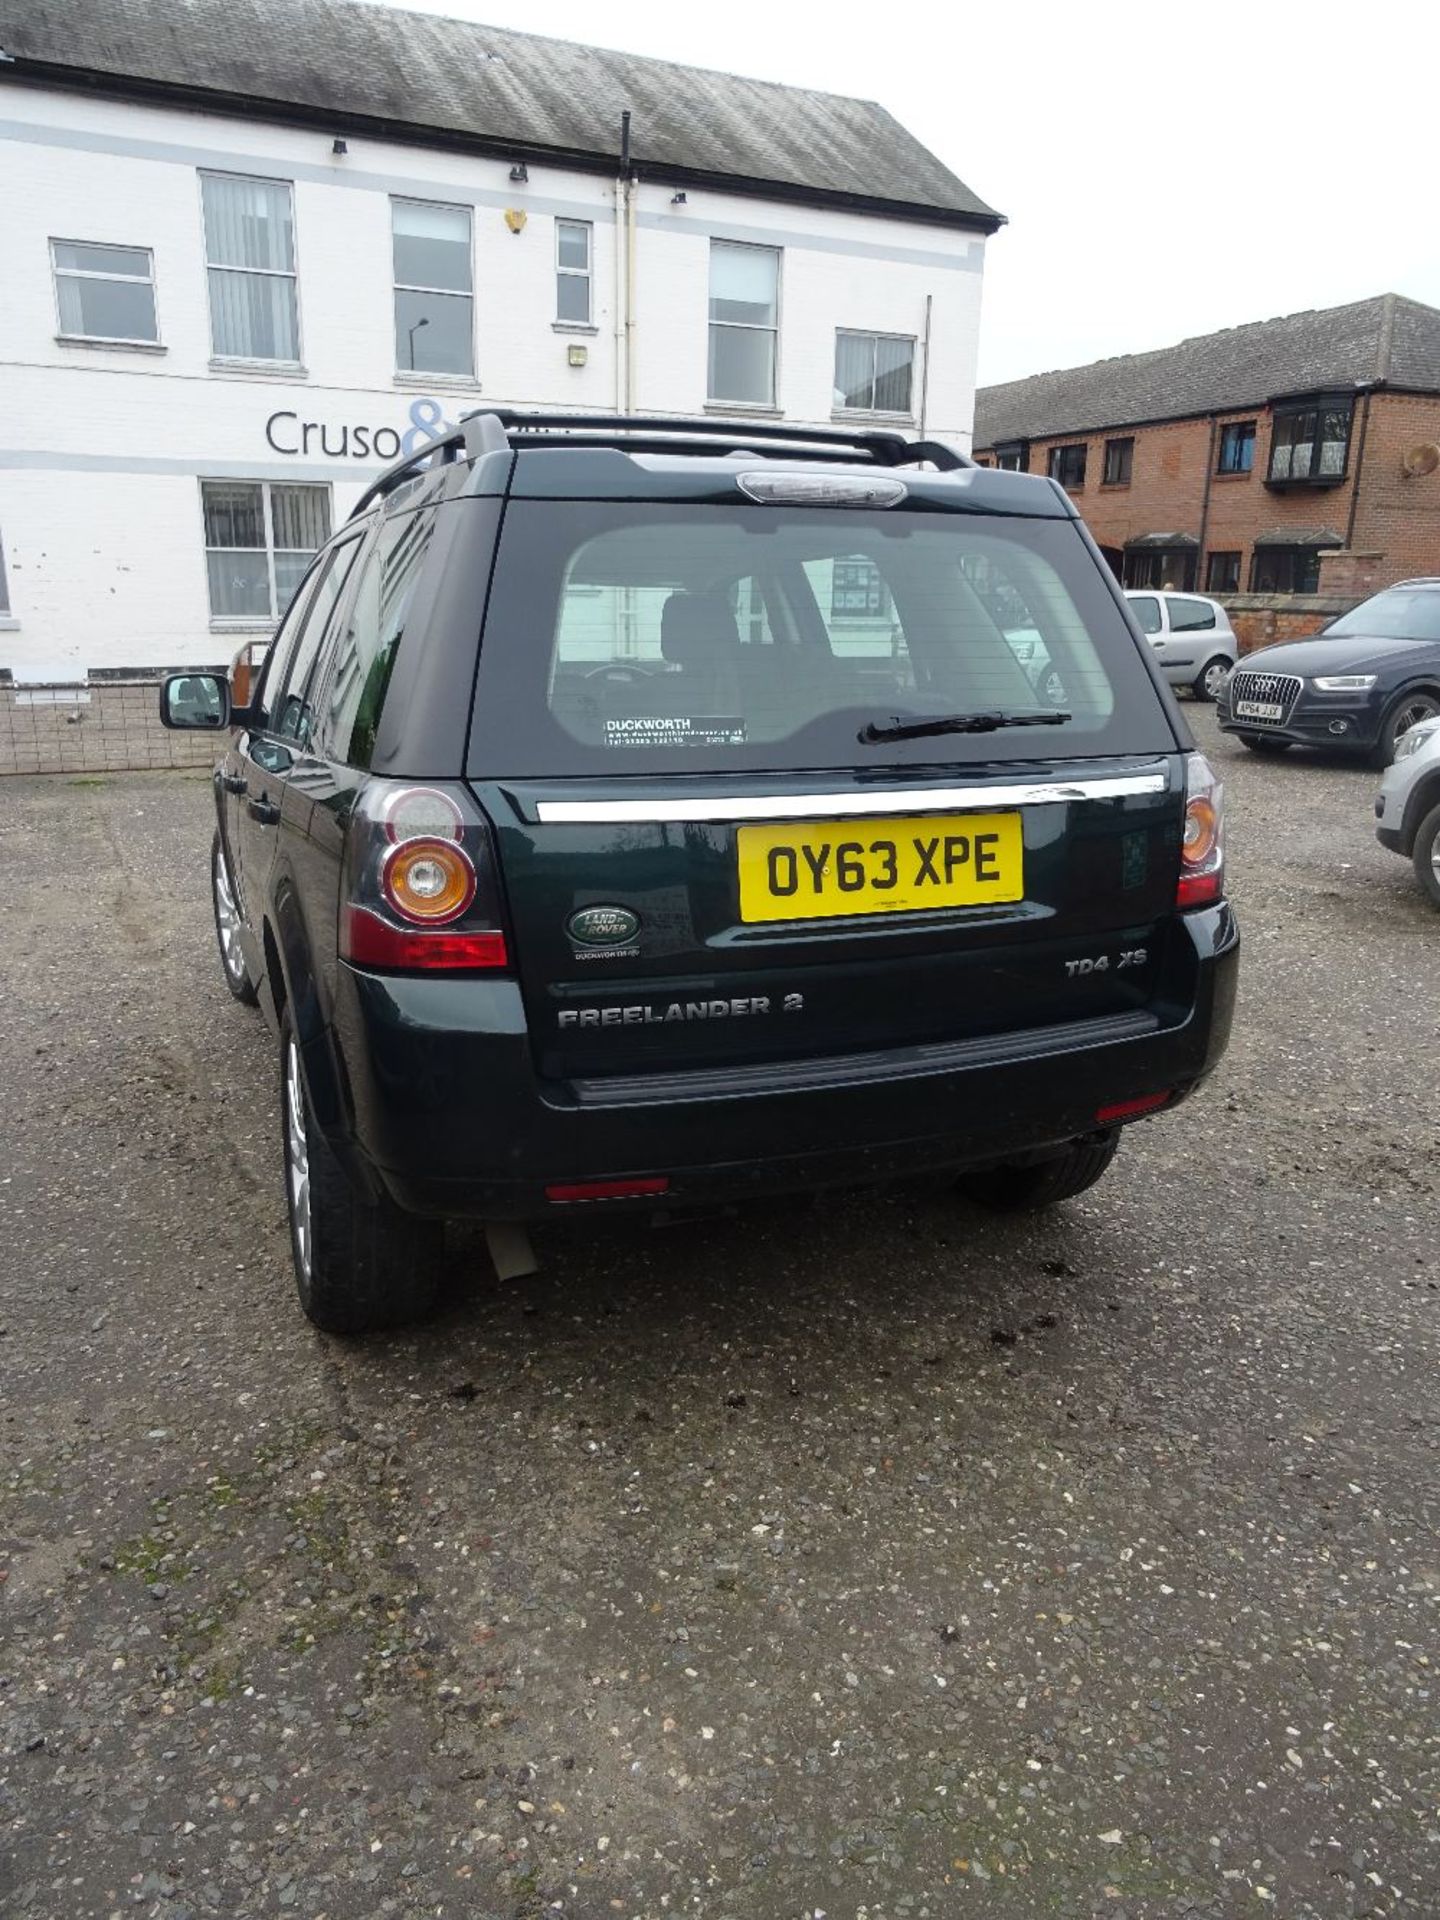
1289	467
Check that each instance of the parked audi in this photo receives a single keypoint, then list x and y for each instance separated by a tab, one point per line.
1359	685
645	814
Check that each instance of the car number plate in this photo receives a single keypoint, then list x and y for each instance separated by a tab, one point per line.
824	870
1259	710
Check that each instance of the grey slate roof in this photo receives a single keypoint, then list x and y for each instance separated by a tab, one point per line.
345	63
1388	338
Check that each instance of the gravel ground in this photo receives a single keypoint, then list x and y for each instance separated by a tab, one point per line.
871	1560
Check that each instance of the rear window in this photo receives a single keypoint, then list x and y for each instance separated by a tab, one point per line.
625	638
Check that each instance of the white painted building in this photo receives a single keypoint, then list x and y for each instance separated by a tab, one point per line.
229	302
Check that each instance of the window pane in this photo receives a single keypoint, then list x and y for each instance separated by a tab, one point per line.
4	583
234	514
248	223
86	258
107	309
854	370
1190	616
1335	435
572	243
742	365
301	516
743	284
252	316
432	246
289	572
372	638
1147	612
290	716
572	298
433	332
893	362
239	585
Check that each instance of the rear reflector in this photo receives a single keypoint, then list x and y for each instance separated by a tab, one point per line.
1132	1109
573	1190
1198	889
368	941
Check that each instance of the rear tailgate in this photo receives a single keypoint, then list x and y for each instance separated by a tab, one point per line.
1090	859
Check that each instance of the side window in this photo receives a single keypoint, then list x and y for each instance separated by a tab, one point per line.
1190	616
273	668
1146	609
290	715
365	656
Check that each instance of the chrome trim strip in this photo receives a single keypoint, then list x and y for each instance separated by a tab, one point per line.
822	806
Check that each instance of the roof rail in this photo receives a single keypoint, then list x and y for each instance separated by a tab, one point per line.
477	433
624	429
496	429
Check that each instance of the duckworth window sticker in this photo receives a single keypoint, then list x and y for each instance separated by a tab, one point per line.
674	730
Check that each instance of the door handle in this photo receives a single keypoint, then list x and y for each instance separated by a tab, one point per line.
265	811
234	783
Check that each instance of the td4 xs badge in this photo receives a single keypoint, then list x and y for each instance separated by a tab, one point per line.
1108	963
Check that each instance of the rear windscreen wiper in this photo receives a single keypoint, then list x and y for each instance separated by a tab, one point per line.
961	723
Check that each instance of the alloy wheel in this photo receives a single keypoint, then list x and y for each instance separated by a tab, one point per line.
1418	707
1213	678
297	1156
227	921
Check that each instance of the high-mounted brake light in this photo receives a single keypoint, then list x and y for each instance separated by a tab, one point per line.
820	490
1202	847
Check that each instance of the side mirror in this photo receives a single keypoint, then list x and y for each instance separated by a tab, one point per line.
194	702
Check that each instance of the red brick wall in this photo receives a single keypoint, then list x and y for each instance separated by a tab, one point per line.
1399	515
1397	518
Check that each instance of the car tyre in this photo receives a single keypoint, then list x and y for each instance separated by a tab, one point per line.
360	1264
1262	743
1426	856
1026	1189
226	909
1207	683
1406	712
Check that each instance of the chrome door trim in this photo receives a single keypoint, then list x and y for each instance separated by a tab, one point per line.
823	806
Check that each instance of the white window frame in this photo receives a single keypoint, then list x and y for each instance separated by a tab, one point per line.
440	293
297	365
772	405
874	336
585	273
59	273
255	622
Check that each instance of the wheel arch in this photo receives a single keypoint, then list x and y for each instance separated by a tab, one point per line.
1424	795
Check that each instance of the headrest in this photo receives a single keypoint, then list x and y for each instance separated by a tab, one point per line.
698	630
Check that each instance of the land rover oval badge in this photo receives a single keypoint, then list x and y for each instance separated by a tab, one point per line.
603	926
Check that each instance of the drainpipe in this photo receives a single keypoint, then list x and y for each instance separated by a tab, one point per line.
925	367
1359	463
631	196
1199	586
622	283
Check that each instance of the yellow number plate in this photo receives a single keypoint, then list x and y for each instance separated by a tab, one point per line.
819	870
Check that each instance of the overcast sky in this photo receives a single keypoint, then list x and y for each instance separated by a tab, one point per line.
1166	170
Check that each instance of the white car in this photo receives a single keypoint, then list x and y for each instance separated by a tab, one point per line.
1195	645
1407	808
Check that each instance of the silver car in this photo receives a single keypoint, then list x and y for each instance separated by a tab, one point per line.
1407	807
1195	645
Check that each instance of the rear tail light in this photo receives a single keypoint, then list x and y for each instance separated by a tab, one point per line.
421	887
1202	847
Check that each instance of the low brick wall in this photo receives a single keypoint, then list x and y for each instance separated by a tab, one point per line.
104	726
1265	619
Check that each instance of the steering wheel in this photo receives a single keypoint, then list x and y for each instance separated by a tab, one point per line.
623	676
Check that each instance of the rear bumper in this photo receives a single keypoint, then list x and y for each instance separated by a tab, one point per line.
449	1117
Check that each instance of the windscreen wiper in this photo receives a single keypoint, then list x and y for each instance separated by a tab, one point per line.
961	723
